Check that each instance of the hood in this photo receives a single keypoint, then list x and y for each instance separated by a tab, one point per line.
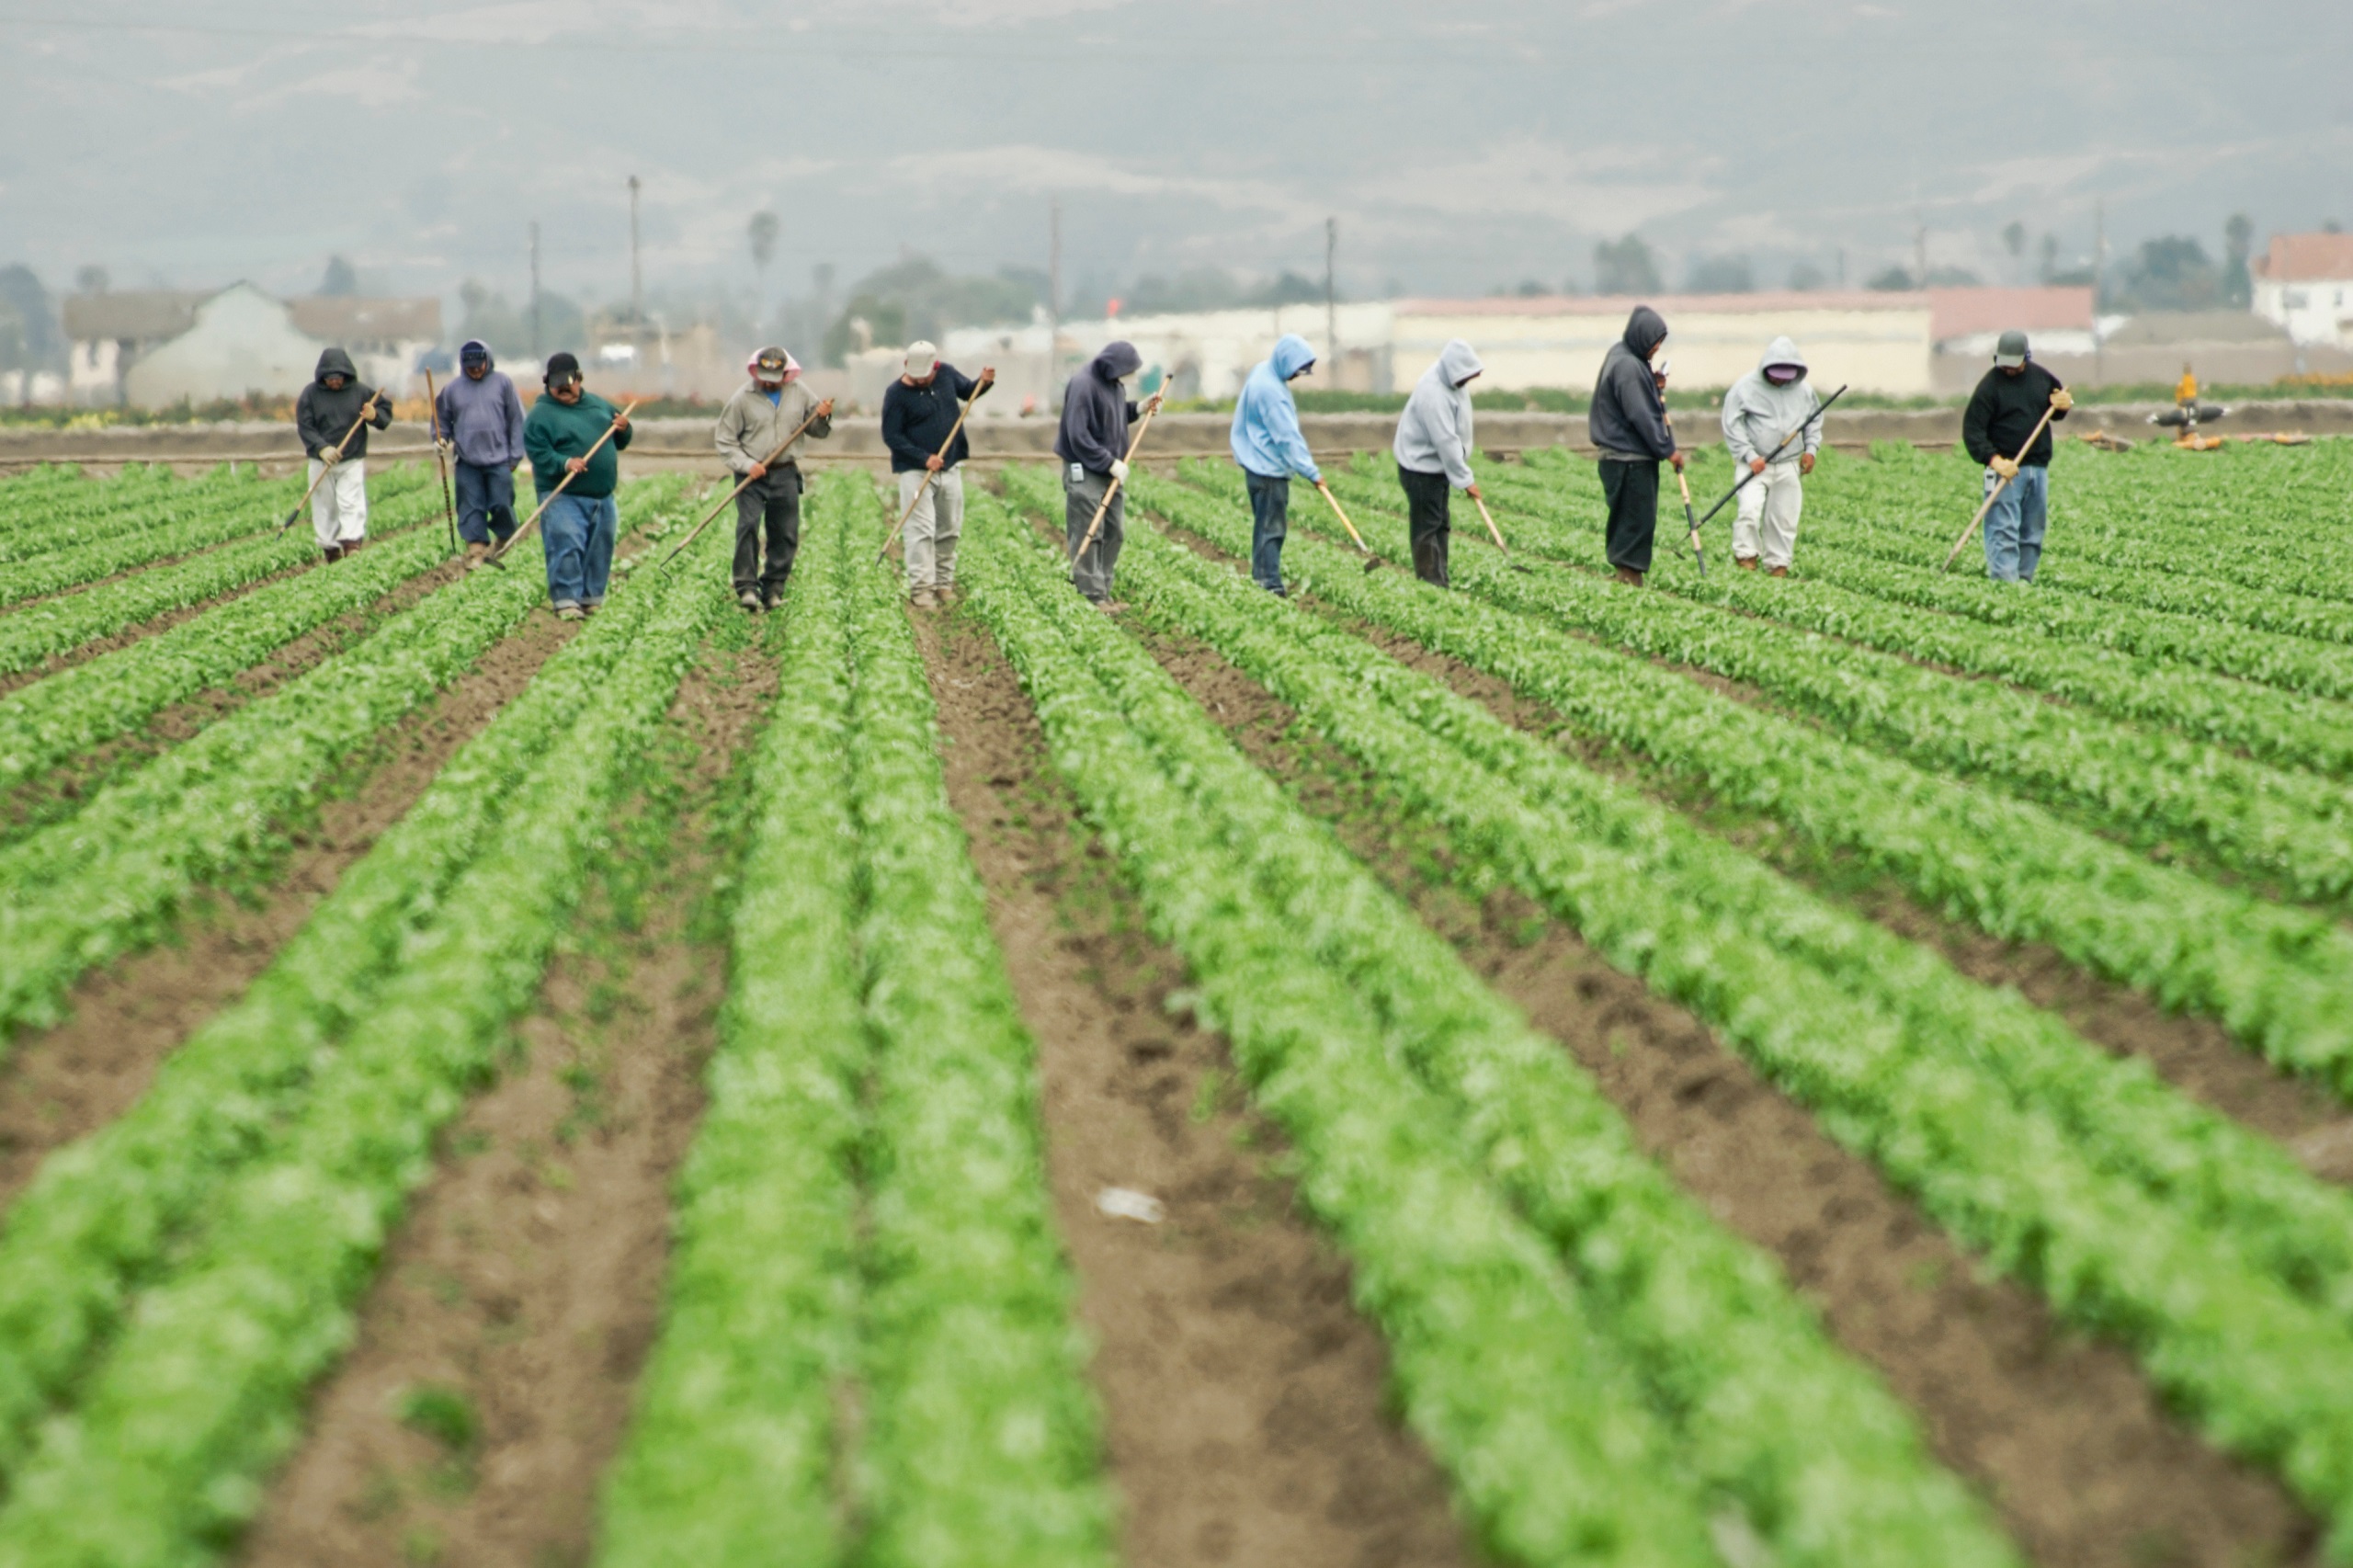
1645	330
1458	362
1783	351
1292	353
335	362
1118	358
476	346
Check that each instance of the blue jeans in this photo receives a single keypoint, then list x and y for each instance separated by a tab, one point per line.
1269	521
2014	528
580	532
486	503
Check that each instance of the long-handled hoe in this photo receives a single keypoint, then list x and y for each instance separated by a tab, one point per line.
516	537
1134	442
1779	447
441	460
1995	493
1372	562
929	474
367	410
822	410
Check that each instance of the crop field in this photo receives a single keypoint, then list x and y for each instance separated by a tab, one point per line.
1848	1071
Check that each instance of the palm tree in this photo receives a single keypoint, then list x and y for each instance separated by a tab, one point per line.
762	231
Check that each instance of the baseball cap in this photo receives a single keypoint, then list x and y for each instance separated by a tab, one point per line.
2011	352
563	369
923	358
770	364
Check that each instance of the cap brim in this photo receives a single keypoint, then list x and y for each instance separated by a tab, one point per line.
2009	361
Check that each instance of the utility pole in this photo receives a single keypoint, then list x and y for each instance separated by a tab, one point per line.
536	352
1920	252
1331	296
2099	279
1054	294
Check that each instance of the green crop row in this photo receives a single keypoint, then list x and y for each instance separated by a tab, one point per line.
2289	826
1587	1413
101	1216
160	1460
71	512
979	1441
33	633
105	878
2140	1217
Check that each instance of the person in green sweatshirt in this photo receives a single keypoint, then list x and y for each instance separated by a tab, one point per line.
581	524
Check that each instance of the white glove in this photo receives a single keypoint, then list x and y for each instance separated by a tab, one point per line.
1119	470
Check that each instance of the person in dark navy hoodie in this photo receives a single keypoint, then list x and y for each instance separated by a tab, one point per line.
1628	423
1093	445
324	417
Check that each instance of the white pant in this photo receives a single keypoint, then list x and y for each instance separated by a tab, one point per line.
339	507
1770	505
934	526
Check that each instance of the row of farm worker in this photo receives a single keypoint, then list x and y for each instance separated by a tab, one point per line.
1769	420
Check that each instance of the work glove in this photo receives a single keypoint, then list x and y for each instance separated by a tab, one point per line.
1119	470
2007	468
329	456
448	447
2062	400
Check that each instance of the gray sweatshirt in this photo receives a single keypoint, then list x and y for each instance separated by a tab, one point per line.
750	427
1434	433
1758	413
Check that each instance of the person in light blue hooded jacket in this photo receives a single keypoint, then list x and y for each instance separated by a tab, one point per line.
1270	447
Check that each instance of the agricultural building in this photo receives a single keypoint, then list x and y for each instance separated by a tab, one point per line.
108	331
152	349
1966	322
2305	284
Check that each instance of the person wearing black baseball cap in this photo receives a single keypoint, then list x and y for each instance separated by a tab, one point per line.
765	409
581	524
2008	407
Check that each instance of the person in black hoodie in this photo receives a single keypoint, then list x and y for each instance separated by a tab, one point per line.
1093	445
324	417
1628	422
2005	408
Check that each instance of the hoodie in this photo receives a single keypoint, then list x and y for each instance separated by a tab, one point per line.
1094	431
1267	439
1757	414
483	419
750	427
321	416
1628	416
1433	434
2004	408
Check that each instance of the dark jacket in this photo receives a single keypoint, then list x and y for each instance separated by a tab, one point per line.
2004	408
1094	413
1628	416
483	419
554	432
321	416
917	419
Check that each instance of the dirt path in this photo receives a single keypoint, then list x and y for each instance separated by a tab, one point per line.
2082	1464
126	1016
1244	1398
525	1286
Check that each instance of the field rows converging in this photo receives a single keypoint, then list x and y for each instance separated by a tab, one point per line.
1838	1070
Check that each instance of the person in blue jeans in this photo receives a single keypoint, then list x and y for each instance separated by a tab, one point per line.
2005	410
1270	449
481	417
582	523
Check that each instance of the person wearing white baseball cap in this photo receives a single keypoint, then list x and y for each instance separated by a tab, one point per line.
764	411
919	409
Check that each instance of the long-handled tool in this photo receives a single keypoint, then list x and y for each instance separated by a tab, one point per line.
1489	517
1683	481
367	411
1779	447
1134	442
1995	493
1372	562
585	458
931	473
441	458
820	412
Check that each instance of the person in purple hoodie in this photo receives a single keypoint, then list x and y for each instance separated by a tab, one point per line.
481	426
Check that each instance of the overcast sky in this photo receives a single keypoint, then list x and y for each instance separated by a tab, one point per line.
1461	145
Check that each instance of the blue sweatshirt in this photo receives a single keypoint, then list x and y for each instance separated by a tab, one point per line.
1267	439
484	419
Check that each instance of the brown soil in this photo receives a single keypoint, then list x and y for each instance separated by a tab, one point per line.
2075	1451
125	1017
527	1277
1245	1413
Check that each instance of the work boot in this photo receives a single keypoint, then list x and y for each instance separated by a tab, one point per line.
477	553
775	599
569	613
1745	562
351	546
333	553
750	599
923	599
1778	570
1629	576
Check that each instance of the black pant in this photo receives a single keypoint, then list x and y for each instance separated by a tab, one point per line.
1632	489
1429	521
774	498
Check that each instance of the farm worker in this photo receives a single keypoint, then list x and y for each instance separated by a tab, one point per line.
1093	445
1433	449
765	410
481	426
1270	447
1763	407
328	407
918	411
1628	422
582	523
2007	404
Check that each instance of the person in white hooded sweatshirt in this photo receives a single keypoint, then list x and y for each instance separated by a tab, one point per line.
1433	449
1760	411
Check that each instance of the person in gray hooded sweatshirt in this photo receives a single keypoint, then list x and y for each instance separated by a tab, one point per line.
481	425
1628	422
328	418
1093	445
1433	449
1762	409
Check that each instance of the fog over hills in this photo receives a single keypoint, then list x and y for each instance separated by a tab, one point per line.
1461	147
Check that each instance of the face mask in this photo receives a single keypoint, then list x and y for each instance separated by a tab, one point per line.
1780	375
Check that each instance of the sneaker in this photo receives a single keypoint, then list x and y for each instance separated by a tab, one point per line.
775	600
333	553
351	546
923	599
477	555
750	600
569	612
593	608
1111	607
1745	562
1777	571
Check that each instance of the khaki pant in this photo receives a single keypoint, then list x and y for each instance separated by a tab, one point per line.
1767	522
933	527
339	507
